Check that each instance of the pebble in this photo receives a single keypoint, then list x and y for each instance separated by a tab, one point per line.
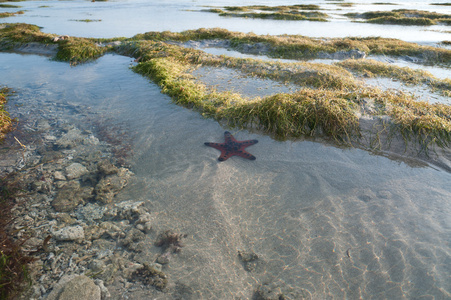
76	170
70	233
79	287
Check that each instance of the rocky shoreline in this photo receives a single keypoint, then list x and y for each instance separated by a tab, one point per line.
81	238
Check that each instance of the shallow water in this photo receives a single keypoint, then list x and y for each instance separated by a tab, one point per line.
324	221
60	17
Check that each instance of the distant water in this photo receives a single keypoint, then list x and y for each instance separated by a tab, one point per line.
127	18
325	222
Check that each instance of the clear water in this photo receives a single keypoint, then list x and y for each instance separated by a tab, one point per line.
127	18
301	206
325	222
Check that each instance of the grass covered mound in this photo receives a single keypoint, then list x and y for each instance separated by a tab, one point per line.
285	12
5	120
74	50
301	47
330	101
403	17
372	68
11	14
322	110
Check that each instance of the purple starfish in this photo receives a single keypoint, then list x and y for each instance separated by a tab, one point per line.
233	147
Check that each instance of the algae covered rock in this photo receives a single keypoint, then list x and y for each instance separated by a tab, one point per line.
69	233
76	170
70	196
78	287
111	185
70	139
150	276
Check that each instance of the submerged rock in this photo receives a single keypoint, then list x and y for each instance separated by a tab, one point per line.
342	55
70	196
130	210
78	287
249	259
272	291
90	212
110	185
70	233
107	168
70	139
76	170
150	276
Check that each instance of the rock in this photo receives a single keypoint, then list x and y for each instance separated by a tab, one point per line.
42	186
249	260
58	175
133	235
93	232
107	168
69	233
111	229
150	276
272	291
341	55
131	209
70	139
96	265
43	124
266	292
70	196
37	48
60	38
110	185
256	48
90	212
79	287
64	218
91	140
105	294
76	170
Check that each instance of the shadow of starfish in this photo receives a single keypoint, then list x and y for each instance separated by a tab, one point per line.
233	147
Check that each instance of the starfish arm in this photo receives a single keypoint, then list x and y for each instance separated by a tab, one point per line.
225	155
228	137
245	154
218	146
248	143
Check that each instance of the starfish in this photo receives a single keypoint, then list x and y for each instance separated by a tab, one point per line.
233	147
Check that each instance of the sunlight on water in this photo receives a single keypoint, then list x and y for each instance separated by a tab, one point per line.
306	218
322	220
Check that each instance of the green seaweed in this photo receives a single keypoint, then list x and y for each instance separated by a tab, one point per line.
403	17
11	14
10	6
371	68
285	12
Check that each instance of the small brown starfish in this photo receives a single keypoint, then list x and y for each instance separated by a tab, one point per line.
233	147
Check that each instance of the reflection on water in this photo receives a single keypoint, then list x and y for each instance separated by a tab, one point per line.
323	221
57	17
